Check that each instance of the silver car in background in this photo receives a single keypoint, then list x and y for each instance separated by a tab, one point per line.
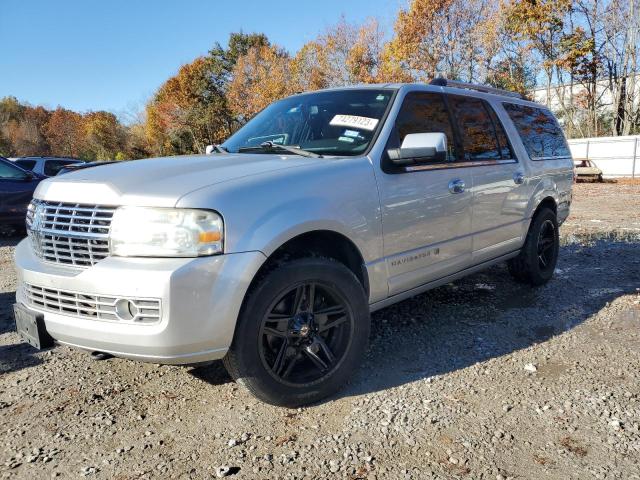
271	252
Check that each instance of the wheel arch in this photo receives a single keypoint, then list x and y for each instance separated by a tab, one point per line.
317	243
547	202
544	194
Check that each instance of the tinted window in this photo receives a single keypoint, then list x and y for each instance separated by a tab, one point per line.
52	167
26	164
8	171
539	130
476	127
503	141
424	113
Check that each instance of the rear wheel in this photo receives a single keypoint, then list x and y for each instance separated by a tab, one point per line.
537	260
302	331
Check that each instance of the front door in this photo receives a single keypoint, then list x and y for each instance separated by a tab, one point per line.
426	208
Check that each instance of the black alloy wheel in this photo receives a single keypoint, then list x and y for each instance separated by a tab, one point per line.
306	334
302	332
537	259
546	244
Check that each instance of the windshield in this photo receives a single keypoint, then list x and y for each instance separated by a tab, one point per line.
340	122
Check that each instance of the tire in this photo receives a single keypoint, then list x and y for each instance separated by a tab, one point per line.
278	351
537	260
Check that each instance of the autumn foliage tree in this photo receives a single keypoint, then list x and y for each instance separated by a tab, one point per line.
345	54
180	115
260	77
190	110
64	132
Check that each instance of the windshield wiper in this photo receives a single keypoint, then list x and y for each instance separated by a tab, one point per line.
270	146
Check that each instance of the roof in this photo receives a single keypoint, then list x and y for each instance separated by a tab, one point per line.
441	85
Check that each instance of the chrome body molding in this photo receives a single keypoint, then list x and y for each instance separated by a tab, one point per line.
469	164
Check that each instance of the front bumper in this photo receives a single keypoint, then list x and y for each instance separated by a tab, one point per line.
200	301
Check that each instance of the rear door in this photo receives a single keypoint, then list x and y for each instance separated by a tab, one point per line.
426	223
500	190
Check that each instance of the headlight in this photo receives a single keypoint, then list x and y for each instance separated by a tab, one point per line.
165	232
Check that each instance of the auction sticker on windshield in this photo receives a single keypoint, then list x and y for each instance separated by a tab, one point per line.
354	121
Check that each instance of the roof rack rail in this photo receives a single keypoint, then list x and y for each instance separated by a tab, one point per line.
443	82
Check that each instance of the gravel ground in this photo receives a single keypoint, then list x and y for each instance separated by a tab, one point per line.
481	379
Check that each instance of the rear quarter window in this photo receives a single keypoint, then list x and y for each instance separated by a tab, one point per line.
52	167
539	130
26	164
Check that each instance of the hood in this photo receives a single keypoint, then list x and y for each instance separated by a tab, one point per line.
159	181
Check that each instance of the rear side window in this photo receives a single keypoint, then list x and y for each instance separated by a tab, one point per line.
52	167
539	130
26	164
479	138
424	113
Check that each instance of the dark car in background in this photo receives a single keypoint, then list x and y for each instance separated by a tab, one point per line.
16	190
46	166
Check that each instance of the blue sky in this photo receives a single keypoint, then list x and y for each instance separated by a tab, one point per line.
112	55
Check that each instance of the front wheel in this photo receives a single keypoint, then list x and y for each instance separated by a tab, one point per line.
537	260
303	330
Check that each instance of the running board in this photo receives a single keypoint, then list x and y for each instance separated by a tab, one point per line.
441	281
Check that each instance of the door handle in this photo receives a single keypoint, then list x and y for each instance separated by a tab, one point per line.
456	186
518	178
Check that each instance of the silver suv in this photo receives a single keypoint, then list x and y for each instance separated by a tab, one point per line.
271	252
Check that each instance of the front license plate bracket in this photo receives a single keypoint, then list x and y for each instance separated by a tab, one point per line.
31	328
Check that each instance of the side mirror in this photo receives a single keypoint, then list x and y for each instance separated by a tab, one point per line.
419	148
28	176
210	149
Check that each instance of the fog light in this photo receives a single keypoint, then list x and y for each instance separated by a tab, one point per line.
126	309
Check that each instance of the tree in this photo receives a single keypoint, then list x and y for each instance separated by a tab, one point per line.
309	67
363	57
64	133
183	116
24	132
223	60
260	77
345	54
190	109
104	137
621	29
540	22
437	38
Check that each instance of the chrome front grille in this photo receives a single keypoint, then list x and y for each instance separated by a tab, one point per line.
69	233
93	307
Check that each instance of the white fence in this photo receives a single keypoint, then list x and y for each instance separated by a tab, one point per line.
615	156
